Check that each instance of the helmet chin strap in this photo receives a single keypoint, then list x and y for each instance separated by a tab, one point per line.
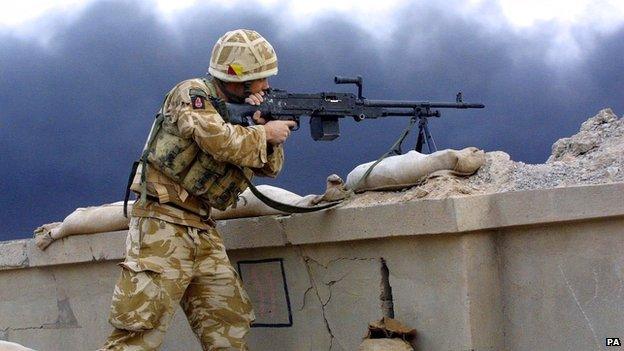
232	97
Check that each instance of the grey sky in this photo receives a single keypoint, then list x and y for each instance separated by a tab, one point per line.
75	112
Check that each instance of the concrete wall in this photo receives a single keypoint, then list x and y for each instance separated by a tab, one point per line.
535	270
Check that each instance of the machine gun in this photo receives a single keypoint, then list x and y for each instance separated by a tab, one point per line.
325	108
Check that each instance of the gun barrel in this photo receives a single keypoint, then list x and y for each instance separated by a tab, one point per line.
396	113
418	104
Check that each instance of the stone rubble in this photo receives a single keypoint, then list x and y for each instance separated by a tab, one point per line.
595	155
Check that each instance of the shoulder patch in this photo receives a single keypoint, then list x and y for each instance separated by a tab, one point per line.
198	102
198	98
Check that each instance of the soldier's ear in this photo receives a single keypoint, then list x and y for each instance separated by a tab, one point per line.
235	87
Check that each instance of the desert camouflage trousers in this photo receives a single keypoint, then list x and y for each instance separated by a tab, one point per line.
168	263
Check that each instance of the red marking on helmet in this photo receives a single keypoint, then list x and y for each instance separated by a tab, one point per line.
231	71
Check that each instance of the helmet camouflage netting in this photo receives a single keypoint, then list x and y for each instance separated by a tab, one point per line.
242	55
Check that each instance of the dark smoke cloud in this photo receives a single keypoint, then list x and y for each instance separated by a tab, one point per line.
75	112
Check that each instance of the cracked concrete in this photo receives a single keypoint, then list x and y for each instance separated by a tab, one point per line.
314	287
280	221
563	280
573	294
385	295
92	255
335	280
66	317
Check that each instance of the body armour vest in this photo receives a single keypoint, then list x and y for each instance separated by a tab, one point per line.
214	182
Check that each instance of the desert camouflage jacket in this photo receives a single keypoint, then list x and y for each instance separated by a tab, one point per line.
238	145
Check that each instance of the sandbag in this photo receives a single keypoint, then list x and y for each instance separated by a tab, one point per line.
388	334
384	345
88	220
248	205
11	346
402	171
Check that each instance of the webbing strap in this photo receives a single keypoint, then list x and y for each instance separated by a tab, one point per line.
282	207
143	160
130	179
155	128
394	147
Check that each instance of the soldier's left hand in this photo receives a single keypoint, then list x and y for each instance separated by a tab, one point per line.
255	98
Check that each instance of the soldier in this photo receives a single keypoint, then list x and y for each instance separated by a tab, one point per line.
194	160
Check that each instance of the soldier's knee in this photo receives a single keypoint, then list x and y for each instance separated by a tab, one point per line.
139	300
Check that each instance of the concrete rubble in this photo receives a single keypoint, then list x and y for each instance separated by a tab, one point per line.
595	155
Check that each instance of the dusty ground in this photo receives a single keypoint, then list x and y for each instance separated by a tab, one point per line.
594	155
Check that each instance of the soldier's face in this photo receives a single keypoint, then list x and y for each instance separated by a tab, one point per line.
255	86
258	85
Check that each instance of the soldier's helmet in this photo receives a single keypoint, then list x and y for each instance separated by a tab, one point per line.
242	55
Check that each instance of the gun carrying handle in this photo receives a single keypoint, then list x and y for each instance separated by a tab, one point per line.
351	80
348	80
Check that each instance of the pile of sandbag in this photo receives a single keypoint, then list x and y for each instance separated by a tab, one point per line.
411	168
110	217
395	172
87	220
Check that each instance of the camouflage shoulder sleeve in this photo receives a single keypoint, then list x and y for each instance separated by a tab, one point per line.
188	106
275	162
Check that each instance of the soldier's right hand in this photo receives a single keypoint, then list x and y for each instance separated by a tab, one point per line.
278	131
